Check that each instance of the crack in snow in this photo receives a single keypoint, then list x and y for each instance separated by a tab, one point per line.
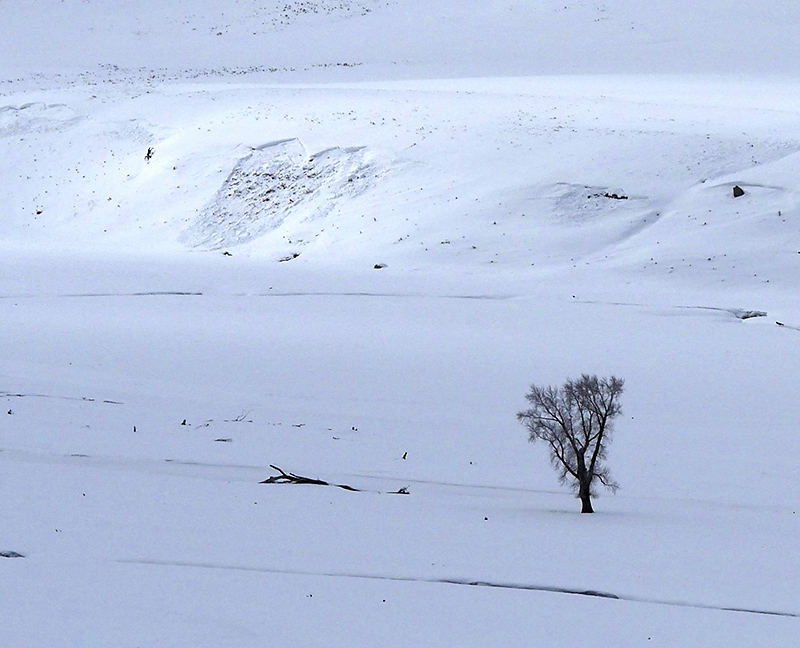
553	589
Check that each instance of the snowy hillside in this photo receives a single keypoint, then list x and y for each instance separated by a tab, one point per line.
342	238
405	38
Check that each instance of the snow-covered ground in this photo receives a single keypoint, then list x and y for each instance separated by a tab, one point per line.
364	228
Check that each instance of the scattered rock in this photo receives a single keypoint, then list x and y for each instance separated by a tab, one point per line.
609	195
738	191
293	255
379	266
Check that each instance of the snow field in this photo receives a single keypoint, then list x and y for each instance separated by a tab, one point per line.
549	187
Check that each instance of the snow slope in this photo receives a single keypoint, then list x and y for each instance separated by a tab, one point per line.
406	38
545	188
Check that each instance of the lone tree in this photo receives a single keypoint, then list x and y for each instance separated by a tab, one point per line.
575	421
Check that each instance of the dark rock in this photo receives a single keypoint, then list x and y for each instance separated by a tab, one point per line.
749	314
738	191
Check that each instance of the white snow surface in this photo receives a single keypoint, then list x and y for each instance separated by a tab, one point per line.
343	238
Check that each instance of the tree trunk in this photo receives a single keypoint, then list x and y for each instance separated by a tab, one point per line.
585	495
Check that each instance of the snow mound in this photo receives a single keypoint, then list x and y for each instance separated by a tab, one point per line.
34	117
278	183
707	234
578	203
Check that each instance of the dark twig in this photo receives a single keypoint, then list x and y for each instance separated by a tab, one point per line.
291	478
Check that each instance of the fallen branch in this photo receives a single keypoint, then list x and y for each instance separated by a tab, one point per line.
291	478
11	554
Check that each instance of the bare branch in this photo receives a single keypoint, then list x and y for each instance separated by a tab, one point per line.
291	478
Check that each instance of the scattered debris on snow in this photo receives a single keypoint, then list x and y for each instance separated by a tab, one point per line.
276	183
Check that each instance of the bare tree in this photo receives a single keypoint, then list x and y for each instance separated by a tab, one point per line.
575	421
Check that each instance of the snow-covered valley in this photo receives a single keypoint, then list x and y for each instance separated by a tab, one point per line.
342	238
